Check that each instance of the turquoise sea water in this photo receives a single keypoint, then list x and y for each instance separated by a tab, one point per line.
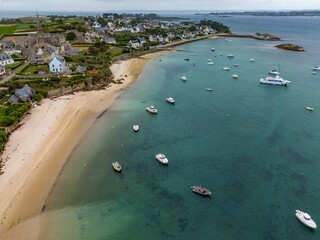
254	146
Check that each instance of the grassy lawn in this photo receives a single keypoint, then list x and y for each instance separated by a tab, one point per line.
35	69
14	65
8	29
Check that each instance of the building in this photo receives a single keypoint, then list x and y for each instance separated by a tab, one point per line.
22	95
57	64
5	59
2	72
134	44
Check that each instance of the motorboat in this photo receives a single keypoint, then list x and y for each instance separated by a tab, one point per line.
235	76
310	108
230	56
210	63
209	60
235	65
184	78
209	89
212	49
277	80
274	72
201	190
151	109
170	100
226	69
305	219
316	68
135	128
116	166
162	158
252	60
314	73
186	59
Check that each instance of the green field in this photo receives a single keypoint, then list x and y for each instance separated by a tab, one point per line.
7	29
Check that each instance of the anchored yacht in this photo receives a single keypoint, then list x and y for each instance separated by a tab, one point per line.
277	80
305	219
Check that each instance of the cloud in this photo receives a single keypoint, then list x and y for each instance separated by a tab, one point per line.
109	5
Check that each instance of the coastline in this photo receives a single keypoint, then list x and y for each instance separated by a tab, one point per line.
38	150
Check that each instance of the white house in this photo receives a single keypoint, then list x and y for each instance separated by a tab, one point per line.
57	64
134	44
5	59
2	72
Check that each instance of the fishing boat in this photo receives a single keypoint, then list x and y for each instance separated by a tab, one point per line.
152	109
310	108
162	158
135	128
116	166
201	190
305	219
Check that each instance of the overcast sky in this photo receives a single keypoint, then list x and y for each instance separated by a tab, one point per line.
109	5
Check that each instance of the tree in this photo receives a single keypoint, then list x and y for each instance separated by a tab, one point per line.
71	36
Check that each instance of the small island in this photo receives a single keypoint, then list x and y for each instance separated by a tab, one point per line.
290	47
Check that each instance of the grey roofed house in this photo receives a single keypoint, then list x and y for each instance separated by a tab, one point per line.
21	95
5	56
81	69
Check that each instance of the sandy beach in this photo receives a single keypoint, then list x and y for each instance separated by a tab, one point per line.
38	150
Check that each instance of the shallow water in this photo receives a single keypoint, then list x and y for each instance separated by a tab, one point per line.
254	146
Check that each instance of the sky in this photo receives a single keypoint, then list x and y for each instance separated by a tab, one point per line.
109	5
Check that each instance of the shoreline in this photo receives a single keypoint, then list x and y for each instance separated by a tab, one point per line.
36	152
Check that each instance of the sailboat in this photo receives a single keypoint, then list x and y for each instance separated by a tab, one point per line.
275	71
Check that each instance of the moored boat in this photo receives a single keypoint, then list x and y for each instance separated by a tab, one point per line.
162	158
235	76
151	109
116	166
230	56
209	89
210	63
201	190
235	65
212	49
170	100
274	72
186	59
135	128
226	69
316	68
305	219
252	60
310	108
184	78
277	80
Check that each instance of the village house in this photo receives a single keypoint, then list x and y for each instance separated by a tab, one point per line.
153	38
108	39
142	40
21	95
57	64
5	59
2	72
134	44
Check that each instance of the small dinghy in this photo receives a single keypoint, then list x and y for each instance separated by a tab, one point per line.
136	128
116	166
201	190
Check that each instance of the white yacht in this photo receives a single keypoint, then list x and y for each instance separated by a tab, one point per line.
277	80
209	89
151	109
135	128
310	108
162	158
274	72
210	63
252	60
226	69
306	219
235	76
316	68
230	56
212	49
170	100
184	78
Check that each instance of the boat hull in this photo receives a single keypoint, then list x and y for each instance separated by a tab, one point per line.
309	223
